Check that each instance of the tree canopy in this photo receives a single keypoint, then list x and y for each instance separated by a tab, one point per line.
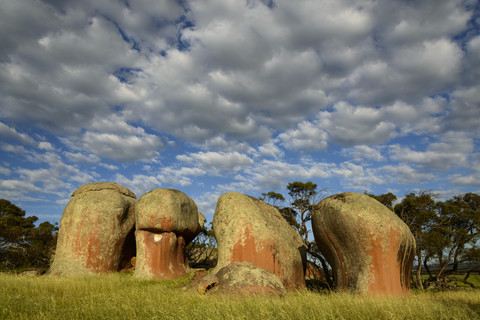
22	244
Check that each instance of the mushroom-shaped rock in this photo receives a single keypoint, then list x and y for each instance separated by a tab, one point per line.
249	230
243	278
166	221
96	232
370	249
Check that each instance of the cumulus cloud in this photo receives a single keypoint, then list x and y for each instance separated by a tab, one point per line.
306	137
270	149
363	152
349	125
5	171
235	91
452	150
357	177
19	185
405	174
179	177
80	157
274	174
10	133
217	163
122	148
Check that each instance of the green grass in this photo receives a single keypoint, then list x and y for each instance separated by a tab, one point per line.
119	296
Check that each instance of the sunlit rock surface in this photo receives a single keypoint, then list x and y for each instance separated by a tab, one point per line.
249	230
96	232
166	221
370	249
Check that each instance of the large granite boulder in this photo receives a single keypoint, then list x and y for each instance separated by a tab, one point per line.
249	230
166	221
370	249
242	278
96	232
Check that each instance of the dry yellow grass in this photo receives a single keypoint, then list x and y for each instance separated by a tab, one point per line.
118	296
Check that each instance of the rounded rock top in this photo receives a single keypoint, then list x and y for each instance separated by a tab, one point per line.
167	210
98	186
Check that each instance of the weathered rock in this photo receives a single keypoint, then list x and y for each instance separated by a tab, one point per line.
243	278
160	255
168	210
249	230
369	248
166	221
96	232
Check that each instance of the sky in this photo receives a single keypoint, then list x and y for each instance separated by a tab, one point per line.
213	96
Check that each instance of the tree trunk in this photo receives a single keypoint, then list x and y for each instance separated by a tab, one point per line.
324	267
418	274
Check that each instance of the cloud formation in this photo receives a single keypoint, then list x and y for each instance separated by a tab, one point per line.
219	95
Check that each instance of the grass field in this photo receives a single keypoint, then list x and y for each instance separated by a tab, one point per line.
119	296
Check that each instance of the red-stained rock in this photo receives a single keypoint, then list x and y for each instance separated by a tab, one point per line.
249	230
160	255
166	221
370	249
96	232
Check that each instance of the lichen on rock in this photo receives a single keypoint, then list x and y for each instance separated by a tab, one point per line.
249	230
370	249
242	278
166	221
96	230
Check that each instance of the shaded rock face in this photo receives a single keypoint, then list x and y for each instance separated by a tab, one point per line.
370	249
243	278
166	221
249	230
96	233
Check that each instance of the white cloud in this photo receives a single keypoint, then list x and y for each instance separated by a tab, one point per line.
306	137
273	175
80	157
405	174
363	152
179	177
452	151
217	163
123	148
357	177
349	125
5	171
270	149
11	133
11	148
234	92
108	166
221	143
44	145
436	61
19	185
466	180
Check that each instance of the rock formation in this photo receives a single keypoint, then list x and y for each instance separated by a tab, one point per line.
242	278
96	232
249	230
369	248
166	221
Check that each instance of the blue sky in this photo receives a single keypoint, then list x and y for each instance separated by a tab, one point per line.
212	96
